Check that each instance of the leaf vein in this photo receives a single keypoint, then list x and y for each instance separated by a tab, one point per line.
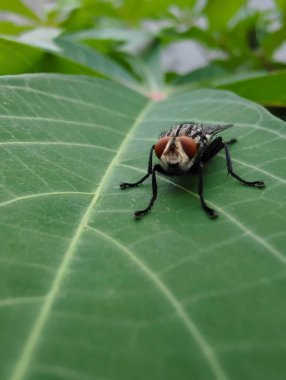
26	356
176	305
31	196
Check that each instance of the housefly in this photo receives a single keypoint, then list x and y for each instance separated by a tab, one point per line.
183	149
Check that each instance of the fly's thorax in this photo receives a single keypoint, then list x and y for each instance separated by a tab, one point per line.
177	154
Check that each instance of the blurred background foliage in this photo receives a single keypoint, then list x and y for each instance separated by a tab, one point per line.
153	46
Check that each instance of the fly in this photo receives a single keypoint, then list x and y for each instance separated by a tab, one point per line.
183	149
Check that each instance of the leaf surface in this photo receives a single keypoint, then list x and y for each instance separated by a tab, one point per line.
87	292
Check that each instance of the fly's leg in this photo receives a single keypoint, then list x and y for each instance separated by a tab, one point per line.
139	214
211	213
125	185
231	141
231	172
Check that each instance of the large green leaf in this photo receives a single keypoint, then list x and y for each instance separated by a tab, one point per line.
87	292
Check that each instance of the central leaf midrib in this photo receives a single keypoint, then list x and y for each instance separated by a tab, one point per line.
32	340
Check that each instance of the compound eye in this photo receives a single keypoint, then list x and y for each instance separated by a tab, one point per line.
160	146
189	145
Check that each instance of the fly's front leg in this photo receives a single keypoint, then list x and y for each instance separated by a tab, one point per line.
139	214
125	185
231	172
211	213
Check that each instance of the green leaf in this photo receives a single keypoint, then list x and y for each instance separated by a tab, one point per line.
29	58
88	11
267	89
42	38
272	41
12	23
93	60
150	71
77	55
134	11
281	4
64	56
220	12
201	75
194	33
87	292
18	6
130	40
18	58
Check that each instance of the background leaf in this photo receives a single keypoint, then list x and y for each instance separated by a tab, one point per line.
219	12
93	60
125	39
25	58
58	55
18	7
103	296
267	89
202	75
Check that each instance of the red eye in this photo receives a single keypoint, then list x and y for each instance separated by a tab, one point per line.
160	146
189	145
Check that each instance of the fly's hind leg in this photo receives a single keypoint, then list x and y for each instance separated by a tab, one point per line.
258	184
231	141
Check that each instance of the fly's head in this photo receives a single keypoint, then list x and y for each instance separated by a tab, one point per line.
176	154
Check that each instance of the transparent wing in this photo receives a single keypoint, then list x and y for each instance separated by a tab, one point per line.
214	129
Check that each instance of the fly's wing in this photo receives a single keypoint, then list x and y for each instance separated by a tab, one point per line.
204	138
195	129
214	129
